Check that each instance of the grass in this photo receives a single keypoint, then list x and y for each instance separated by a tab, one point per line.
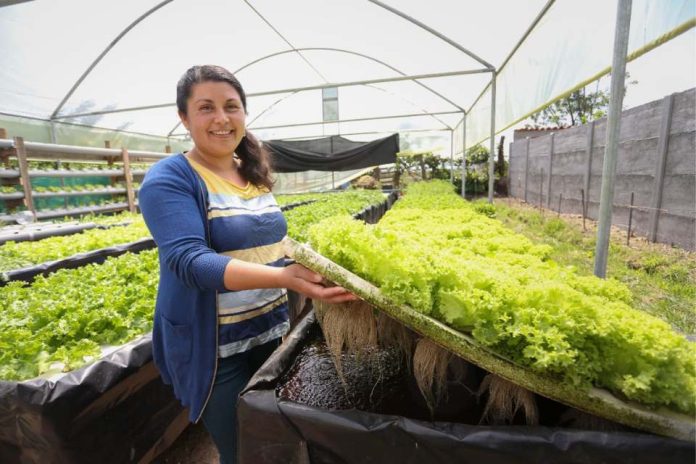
661	278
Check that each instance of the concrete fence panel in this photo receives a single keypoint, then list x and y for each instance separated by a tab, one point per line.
656	162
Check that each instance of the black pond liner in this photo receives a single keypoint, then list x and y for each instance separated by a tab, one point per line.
116	410
28	274
276	430
40	232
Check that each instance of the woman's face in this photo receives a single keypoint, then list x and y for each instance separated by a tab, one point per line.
215	118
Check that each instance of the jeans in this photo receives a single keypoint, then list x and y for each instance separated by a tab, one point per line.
220	414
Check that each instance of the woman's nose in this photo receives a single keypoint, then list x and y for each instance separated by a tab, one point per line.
220	116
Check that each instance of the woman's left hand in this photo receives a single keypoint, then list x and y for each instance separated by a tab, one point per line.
300	279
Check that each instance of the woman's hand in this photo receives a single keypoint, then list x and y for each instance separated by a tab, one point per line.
300	279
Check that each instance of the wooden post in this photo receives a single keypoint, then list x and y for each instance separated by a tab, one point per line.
24	174
560	200
630	219
588	166
128	176
526	169
167	148
662	148
109	159
5	154
584	209
541	190
548	191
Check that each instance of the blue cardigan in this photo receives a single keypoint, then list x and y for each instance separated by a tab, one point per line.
173	200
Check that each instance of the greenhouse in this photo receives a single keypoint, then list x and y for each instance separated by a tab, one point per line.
528	302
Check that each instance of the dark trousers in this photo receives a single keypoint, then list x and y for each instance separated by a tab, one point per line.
220	414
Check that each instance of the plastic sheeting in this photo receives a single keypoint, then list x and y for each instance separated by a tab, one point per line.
115	64
115	410
332	153
277	431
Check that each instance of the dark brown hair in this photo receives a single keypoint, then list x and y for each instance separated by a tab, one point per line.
255	162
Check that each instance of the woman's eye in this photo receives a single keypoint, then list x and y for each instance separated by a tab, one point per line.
206	108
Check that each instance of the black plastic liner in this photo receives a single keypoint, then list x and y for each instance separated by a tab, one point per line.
333	153
28	274
116	410
38	233
42	231
278	431
372	214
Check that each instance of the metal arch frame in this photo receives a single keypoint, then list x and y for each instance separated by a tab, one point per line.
373	118
330	49
103	53
351	52
54	116
434	32
294	89
526	34
273	28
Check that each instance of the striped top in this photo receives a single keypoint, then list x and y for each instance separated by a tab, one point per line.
246	224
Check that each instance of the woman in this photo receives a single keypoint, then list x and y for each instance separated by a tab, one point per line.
221	303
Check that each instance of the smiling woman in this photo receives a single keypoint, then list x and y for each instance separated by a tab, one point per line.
221	303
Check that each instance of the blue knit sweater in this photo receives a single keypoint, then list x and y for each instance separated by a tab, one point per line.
173	200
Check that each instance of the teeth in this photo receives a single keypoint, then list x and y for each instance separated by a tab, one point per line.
221	132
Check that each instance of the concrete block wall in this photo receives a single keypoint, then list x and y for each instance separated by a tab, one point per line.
664	200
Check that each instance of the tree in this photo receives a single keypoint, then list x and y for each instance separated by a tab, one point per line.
577	108
580	107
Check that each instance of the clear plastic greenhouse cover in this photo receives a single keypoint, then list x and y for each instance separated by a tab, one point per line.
57	63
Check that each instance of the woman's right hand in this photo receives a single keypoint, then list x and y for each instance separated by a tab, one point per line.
300	279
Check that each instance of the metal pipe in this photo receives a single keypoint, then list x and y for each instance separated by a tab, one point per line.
350	52
491	156
433	32
464	156
375	118
103	53
294	89
623	27
39	147
452	157
529	30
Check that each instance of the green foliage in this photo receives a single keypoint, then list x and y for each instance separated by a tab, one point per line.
580	107
327	206
14	255
662	279
436	253
61	321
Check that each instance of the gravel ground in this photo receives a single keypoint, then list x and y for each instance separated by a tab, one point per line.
194	446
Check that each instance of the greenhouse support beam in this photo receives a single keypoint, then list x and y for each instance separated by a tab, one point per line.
464	156
524	37
491	155
434	32
350	52
295	89
305	137
294	49
102	54
623	26
374	118
452	156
